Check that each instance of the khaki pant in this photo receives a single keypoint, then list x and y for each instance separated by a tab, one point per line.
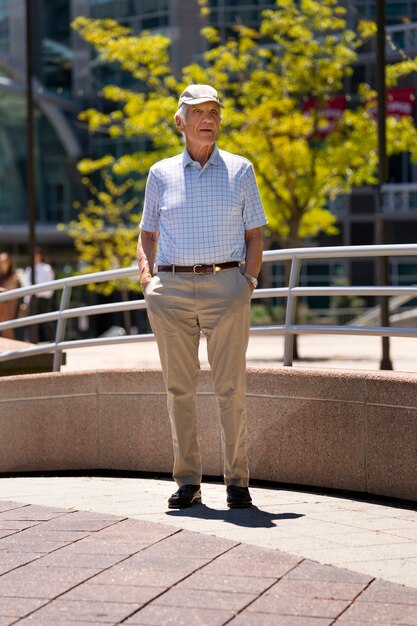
180	306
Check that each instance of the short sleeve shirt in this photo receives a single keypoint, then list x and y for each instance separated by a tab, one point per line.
201	213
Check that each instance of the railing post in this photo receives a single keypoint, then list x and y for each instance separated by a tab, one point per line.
291	311
61	326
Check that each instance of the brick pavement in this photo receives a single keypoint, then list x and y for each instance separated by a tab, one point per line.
74	568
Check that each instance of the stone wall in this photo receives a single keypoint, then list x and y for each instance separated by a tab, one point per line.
348	430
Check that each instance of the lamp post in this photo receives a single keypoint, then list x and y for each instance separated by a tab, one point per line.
30	139
383	277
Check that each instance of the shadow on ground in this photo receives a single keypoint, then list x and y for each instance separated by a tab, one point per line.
248	518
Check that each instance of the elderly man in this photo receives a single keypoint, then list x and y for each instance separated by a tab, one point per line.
199	255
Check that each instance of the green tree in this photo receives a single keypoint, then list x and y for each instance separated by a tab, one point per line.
105	231
106	228
302	50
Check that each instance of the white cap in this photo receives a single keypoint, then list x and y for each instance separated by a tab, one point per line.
196	94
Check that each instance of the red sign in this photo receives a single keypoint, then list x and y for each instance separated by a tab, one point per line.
400	103
331	112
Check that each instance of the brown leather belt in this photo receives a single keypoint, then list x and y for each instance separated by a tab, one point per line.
199	268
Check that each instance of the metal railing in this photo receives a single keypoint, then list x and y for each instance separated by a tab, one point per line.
289	329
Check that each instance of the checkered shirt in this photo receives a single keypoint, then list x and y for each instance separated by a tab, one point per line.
201	214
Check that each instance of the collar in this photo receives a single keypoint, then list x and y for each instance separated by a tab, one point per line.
214	159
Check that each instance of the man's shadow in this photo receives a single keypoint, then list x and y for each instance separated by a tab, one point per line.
247	518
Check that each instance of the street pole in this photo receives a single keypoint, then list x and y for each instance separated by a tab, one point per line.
30	140
383	274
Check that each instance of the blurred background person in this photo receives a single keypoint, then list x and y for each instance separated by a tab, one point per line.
41	302
8	280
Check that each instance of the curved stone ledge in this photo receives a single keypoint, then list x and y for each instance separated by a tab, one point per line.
327	428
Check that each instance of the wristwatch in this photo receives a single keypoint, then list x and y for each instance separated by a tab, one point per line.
252	279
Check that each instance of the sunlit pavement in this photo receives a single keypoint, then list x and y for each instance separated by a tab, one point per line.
93	550
78	550
319	351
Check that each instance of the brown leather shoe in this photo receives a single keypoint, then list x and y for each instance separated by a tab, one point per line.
238	497
187	495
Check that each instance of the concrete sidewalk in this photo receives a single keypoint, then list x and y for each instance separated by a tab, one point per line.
94	550
324	351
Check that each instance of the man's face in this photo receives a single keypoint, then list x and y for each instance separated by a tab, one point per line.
202	123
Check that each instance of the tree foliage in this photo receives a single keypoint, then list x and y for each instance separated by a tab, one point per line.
105	230
302	50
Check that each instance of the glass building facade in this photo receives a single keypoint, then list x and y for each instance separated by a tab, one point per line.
57	143
68	77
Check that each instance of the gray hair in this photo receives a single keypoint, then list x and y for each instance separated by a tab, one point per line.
181	112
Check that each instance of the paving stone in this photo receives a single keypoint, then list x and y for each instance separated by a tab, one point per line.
32	620
19	607
311	570
177	563
32	582
36	569
407	581
70	522
41	546
197	541
236	584
96	515
168	616
343	621
169	547
14	524
242	567
205	572
316	589
65	559
9	506
6	533
258	554
43	533
101	612
142	530
100	546
382	591
365	554
102	537
7	621
294	605
366	539
11	560
140	577
381	613
205	599
394	570
265	619
114	593
33	512
406	533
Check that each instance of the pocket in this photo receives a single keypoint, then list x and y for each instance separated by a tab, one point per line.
246	283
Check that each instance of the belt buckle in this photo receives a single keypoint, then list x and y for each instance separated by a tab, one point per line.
195	268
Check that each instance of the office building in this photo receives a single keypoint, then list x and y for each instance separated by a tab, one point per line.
68	76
